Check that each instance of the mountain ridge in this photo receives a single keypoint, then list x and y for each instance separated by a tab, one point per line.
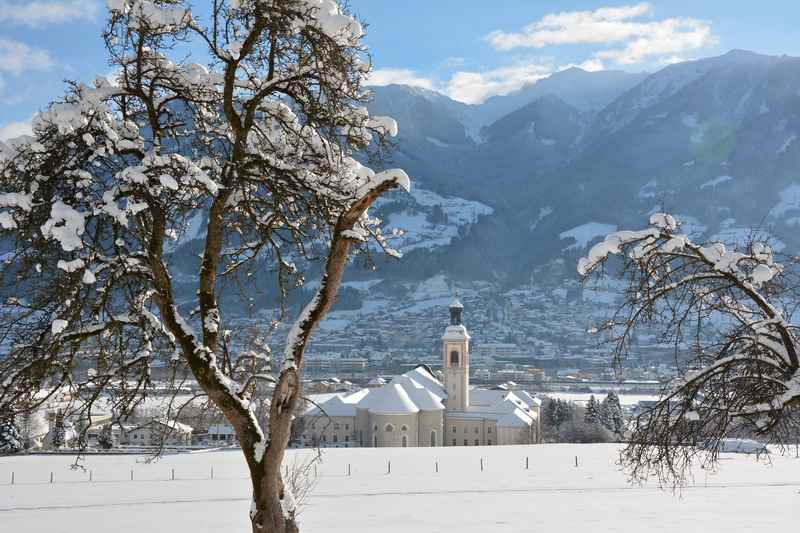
727	121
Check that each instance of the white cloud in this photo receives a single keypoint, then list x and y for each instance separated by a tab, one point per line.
15	129
639	40
475	87
17	57
39	13
401	76
590	65
569	27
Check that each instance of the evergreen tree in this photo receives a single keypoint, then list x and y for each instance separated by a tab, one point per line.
558	412
612	413
10	438
592	415
550	413
58	432
105	440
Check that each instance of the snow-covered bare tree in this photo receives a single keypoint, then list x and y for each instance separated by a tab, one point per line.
728	314
259	141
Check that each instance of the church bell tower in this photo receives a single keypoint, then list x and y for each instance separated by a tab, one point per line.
455	344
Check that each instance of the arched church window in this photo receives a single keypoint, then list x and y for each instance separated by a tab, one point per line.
454	357
405	441
404	428
433	438
388	428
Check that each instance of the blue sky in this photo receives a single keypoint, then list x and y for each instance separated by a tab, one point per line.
468	49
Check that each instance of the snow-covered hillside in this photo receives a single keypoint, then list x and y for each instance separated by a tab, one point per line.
552	495
422	229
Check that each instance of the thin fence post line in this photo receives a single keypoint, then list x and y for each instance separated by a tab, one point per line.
527	465
212	471
91	475
51	478
437	466
348	469
131	474
389	471
12	477
576	461
481	464
173	474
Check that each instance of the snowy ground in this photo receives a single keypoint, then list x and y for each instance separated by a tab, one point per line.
552	496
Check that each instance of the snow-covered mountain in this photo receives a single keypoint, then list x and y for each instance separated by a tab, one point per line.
715	140
535	177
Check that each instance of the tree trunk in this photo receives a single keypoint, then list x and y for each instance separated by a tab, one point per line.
274	506
267	515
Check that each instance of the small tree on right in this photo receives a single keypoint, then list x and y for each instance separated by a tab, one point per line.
727	311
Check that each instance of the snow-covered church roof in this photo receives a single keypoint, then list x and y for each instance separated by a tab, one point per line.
507	408
416	390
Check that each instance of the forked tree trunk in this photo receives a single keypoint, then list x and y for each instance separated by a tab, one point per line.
274	509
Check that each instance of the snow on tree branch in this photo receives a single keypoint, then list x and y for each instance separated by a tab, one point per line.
726	311
262	145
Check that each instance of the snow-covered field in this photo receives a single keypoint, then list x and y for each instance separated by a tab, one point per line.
552	496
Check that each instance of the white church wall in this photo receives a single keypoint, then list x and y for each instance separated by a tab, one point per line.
394	430
430	422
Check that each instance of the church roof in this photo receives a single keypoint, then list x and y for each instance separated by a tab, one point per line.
391	399
424	399
516	418
507	408
455	333
456	303
416	390
337	407
423	376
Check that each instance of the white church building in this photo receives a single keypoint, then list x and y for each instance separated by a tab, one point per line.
416	409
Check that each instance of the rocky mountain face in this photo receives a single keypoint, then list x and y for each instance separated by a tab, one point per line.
580	153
